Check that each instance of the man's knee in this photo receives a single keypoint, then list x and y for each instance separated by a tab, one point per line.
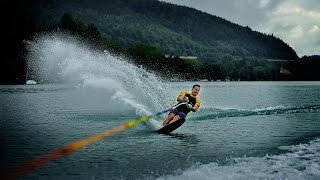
177	117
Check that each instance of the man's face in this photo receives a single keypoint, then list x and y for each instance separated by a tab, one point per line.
195	91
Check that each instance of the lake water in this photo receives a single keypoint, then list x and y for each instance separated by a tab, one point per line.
243	130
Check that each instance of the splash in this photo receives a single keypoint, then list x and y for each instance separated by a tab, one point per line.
61	58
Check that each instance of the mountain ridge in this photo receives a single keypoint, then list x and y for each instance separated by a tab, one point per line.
175	29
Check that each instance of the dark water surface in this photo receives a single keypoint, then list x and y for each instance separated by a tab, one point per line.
243	130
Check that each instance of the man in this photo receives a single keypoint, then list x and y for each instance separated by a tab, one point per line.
188	102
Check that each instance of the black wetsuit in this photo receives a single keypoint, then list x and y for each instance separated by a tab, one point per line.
192	100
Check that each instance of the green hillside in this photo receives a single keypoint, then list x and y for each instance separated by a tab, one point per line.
175	29
146	30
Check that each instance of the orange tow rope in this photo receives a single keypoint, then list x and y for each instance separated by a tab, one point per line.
72	147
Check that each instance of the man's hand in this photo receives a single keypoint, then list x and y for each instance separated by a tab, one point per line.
186	99
189	106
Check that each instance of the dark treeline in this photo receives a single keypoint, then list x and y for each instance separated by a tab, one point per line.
307	68
173	67
19	23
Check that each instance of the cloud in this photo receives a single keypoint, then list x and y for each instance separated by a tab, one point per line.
296	22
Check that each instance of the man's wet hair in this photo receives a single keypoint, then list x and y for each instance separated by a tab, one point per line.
195	86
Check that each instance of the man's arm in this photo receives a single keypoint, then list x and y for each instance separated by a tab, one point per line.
196	106
181	96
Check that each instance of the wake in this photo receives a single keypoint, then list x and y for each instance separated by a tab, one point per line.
300	162
213	113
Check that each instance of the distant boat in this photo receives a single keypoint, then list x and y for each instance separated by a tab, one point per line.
31	82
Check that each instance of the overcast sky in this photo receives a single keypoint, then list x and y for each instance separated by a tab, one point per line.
296	22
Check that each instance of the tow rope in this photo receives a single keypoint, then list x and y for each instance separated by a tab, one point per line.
74	146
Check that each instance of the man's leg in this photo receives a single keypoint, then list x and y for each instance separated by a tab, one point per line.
180	115
169	118
176	118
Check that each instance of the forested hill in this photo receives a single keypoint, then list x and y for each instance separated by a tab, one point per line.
146	30
177	30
